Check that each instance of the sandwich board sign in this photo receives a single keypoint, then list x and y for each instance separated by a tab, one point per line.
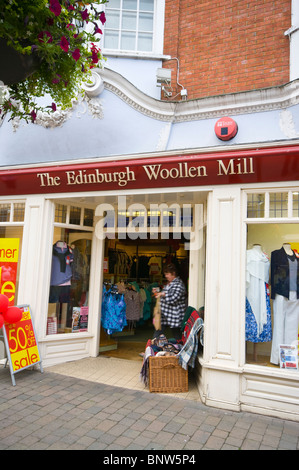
21	344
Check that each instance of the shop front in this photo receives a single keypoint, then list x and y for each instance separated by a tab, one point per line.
221	215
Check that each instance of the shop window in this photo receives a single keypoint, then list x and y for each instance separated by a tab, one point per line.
18	212
273	205
75	215
60	213
272	270
88	217
296	204
256	205
70	269
278	205
4	212
11	236
12	212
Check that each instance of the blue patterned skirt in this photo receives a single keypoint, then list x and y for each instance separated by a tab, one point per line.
251	325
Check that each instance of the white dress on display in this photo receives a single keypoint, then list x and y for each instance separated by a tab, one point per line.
257	277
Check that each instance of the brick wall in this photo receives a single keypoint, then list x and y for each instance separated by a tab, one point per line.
227	46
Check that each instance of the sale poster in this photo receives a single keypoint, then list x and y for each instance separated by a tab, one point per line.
288	356
9	255
21	343
79	319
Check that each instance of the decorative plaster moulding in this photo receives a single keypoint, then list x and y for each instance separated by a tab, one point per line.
247	102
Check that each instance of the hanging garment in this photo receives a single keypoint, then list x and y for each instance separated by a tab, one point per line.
251	333
147	305
285	319
257	279
280	274
113	312
188	353
78	264
62	260
143	268
155	265
157	315
132	301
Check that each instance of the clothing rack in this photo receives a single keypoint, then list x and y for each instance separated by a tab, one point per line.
149	253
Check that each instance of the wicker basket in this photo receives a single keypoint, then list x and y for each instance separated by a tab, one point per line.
166	375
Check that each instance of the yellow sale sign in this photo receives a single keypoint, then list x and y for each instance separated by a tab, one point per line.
9	255
21	343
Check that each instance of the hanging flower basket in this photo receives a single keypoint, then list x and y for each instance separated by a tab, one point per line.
47	49
15	67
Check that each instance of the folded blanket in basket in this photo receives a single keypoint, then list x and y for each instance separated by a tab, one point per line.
188	352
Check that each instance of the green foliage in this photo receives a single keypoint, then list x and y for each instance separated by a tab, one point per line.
62	37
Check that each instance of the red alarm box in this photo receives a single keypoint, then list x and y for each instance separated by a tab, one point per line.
226	128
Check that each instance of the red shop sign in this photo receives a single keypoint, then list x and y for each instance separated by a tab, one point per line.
200	169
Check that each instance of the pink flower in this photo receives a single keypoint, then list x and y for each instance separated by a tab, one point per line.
56	80
103	17
84	14
55	7
53	106
64	44
94	57
33	115
45	36
97	30
76	54
94	53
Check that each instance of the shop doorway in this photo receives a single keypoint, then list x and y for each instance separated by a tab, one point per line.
133	269
141	233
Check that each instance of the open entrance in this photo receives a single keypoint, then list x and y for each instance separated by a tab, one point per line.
133	271
140	240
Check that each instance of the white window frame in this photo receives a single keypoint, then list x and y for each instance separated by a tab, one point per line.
12	205
267	216
158	36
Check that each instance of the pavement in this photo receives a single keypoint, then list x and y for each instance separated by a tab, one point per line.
76	406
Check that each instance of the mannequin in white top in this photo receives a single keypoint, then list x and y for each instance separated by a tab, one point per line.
287	248
257	248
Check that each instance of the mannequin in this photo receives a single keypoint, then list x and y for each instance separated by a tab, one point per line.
287	248
60	282
285	295
258	311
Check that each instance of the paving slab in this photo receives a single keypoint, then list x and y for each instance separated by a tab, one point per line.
56	411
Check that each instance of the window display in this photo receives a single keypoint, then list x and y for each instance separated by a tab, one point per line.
272	280
69	284
70	268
